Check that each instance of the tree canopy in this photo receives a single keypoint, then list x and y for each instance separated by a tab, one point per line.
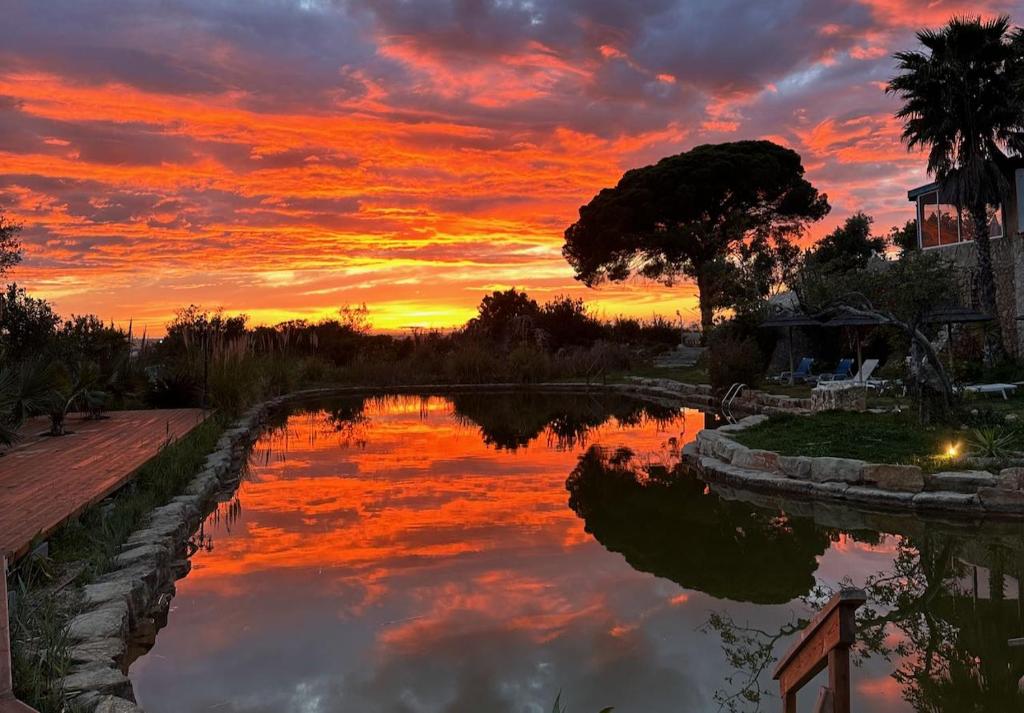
10	245
848	247
688	215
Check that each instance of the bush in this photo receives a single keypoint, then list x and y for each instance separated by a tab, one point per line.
528	364
472	362
734	360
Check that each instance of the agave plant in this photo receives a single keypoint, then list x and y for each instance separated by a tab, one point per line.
991	442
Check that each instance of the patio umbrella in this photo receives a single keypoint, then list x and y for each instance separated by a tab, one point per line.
790	320
856	321
954	314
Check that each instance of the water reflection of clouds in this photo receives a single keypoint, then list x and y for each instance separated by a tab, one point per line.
423	570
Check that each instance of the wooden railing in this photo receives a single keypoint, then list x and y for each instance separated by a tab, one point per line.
826	641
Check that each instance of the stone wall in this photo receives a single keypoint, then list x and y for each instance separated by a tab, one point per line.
750	401
719	457
1007	262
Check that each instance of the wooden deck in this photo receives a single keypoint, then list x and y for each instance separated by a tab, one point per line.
45	480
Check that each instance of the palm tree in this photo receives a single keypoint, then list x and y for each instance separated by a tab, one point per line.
963	101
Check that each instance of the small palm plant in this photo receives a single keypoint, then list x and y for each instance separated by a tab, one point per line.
25	390
75	387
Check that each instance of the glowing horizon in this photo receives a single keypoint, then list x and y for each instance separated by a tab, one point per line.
283	159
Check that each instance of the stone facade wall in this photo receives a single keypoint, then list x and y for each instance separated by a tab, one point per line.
1008	270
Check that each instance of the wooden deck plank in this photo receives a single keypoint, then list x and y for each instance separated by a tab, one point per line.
44	481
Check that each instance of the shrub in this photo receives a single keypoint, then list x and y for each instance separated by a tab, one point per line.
472	362
734	360
528	364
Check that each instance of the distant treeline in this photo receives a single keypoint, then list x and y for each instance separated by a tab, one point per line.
50	365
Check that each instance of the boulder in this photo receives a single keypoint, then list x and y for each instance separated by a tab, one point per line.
756	459
114	704
798	467
1011	478
905	478
846	470
961	481
102	679
107	622
148	554
947	501
104	651
1001	500
879	498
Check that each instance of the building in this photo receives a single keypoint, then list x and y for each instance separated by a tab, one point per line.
940	226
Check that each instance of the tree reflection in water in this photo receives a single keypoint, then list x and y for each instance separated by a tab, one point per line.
945	636
663	521
511	421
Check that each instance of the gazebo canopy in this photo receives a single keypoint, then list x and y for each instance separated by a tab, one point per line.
790	319
955	314
855	320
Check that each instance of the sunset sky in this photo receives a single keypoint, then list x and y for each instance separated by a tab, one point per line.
285	157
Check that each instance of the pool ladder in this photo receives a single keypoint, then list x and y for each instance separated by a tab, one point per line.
727	400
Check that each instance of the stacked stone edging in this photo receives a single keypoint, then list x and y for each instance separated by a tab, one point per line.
720	458
749	400
141	585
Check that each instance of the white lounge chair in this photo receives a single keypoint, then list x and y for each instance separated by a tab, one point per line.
861	378
1001	389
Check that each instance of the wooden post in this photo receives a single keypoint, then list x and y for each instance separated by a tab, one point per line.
6	683
825	642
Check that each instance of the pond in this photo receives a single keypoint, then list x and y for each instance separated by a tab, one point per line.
487	552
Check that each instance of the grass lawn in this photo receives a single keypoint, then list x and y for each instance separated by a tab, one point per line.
879	438
685	374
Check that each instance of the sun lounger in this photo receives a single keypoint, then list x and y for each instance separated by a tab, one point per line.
799	375
1001	389
843	371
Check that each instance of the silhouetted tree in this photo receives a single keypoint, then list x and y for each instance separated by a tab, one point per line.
688	215
848	247
10	245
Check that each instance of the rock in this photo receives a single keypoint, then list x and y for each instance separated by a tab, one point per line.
947	501
847	470
107	622
879	498
798	467
113	704
155	554
1011	418
1001	500
756	459
831	489
905	478
103	679
961	481
725	448
131	591
146	537
105	651
1011	478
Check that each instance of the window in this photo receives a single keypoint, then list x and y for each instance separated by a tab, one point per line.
995	223
928	219
942	224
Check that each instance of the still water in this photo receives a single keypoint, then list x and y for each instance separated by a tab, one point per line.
483	553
